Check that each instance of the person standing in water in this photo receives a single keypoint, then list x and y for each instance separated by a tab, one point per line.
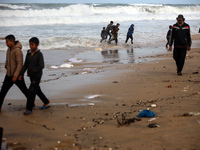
130	34
108	29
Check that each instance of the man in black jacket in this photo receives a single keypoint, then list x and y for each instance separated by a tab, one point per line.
182	42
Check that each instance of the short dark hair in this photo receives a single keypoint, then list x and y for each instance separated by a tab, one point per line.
10	37
34	40
111	21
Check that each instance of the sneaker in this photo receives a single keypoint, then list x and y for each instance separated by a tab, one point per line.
27	112
45	106
179	73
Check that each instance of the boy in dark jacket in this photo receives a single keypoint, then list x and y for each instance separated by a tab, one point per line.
34	64
103	34
182	42
130	34
13	65
109	27
168	36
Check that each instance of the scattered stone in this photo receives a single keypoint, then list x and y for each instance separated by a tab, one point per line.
153	125
169	86
196	72
153	105
124	121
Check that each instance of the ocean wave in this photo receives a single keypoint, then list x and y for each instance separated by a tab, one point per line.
12	6
33	14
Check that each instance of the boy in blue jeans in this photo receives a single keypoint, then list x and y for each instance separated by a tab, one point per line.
34	63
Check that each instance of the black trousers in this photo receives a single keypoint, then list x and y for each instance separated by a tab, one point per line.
179	57
167	42
108	33
115	37
7	84
34	90
131	37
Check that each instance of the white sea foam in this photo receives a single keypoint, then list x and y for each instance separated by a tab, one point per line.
93	13
12	6
75	26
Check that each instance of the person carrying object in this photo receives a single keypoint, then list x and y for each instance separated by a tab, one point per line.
114	32
108	29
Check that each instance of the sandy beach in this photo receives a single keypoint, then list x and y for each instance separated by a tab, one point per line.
89	101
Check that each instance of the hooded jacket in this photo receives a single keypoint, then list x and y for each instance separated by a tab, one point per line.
181	36
14	60
130	30
33	64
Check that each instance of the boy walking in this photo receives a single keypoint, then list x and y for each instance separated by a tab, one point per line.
13	65
34	63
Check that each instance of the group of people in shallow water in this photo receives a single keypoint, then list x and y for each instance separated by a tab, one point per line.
112	31
179	36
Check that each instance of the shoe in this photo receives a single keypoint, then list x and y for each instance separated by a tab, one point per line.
45	106
179	73
27	112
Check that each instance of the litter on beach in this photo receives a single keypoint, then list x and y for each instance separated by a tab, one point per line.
92	96
75	60
90	104
89	69
146	114
54	67
67	65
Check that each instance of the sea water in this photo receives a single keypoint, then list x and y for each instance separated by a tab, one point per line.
68	30
78	26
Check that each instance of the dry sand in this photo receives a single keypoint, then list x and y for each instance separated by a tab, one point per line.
116	89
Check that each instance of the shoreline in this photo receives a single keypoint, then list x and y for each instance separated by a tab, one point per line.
111	90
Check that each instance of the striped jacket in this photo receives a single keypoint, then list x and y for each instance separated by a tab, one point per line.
181	36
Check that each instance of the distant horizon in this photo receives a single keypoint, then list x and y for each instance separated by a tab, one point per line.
103	1
93	3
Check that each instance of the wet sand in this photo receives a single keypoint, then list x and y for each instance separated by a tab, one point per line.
86	101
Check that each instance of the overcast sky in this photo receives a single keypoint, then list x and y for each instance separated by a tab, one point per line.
105	1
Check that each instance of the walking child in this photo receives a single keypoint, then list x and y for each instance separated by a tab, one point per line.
130	34
13	65
34	64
